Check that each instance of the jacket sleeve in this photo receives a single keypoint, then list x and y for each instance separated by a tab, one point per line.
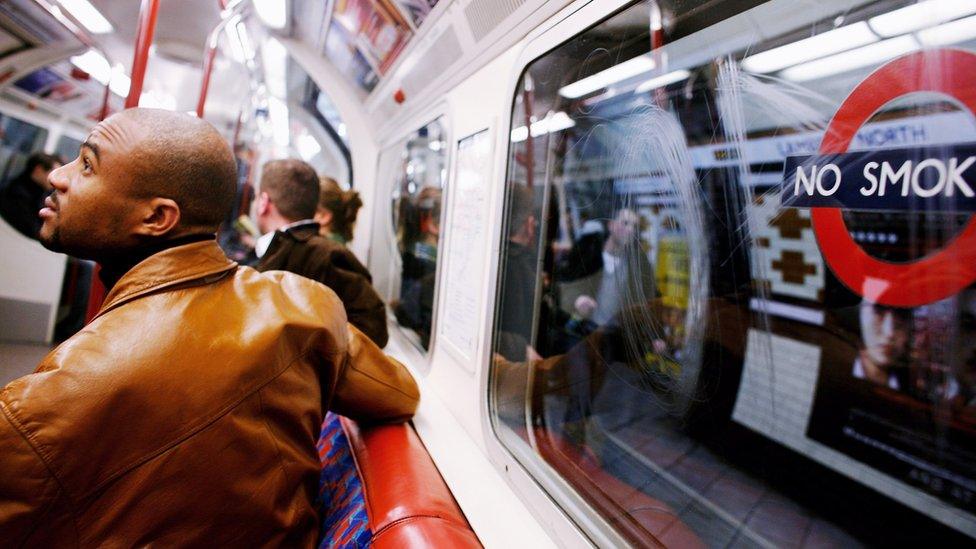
28	492
364	307
371	386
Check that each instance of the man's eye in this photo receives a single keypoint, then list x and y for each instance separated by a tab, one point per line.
87	165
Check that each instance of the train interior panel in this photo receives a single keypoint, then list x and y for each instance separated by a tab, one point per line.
584	273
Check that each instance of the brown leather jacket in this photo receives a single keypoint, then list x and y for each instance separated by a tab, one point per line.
303	251
187	412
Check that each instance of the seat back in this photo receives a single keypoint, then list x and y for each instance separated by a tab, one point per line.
380	488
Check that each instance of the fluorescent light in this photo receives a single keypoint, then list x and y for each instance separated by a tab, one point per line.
811	48
271	12
307	146
949	33
663	80
553	123
94	64
853	59
520	133
87	15
120	82
278	112
627	69
275	58
919	16
155	99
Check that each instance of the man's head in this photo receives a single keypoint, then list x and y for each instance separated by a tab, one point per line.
141	176
623	228
522	217
39	167
884	333
289	193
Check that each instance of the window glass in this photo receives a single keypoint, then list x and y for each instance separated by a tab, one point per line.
736	301
67	148
417	198
18	139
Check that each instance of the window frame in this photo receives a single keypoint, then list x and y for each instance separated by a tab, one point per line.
572	521
383	224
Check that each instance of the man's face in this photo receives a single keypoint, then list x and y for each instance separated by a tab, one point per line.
884	331
91	212
623	227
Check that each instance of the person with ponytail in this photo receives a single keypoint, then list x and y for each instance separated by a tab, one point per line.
337	210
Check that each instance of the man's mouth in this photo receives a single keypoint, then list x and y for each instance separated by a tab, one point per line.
50	207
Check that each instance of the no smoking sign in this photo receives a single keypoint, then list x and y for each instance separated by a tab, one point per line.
913	179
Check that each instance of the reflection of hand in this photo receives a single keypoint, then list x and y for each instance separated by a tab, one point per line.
660	346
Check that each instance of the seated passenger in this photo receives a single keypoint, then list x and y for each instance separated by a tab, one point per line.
187	412
291	242
337	211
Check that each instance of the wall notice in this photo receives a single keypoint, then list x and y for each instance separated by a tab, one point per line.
467	245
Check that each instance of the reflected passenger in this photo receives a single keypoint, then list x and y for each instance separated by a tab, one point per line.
23	196
187	412
612	269
415	309
291	242
337	211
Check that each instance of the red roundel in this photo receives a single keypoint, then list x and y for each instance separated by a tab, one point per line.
940	274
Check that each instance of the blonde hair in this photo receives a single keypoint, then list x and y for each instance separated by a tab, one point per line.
344	206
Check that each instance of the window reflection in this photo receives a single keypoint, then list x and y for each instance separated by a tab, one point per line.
669	338
417	199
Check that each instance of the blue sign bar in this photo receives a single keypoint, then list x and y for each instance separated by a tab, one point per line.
933	178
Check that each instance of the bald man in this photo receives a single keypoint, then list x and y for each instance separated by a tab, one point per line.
187	412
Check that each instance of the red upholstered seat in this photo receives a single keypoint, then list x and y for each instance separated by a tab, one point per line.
406	499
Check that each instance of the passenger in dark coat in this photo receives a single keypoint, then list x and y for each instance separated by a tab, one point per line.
23	196
291	242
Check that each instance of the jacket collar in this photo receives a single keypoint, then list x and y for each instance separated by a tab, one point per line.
299	230
200	262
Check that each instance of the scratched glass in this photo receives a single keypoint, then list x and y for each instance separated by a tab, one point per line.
723	319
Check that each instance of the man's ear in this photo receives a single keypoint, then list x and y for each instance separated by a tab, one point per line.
264	204
161	216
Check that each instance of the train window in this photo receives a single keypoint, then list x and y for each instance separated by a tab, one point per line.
67	148
18	139
417	200
736	301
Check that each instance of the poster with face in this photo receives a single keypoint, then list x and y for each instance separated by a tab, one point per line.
902	398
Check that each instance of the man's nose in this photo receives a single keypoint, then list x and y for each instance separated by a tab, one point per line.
59	179
888	324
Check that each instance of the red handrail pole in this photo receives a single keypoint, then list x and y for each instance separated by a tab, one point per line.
105	97
208	62
144	38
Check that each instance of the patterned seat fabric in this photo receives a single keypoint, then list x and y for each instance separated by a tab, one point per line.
342	506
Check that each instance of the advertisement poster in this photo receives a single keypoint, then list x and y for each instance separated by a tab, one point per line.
904	402
365	39
417	9
340	48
